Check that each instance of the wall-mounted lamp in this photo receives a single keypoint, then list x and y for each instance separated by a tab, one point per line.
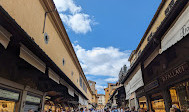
46	16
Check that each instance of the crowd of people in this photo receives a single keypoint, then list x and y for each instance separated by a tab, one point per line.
133	109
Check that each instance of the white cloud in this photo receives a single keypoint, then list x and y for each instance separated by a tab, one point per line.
76	20
100	89
111	79
79	23
102	61
102	64
67	5
76	42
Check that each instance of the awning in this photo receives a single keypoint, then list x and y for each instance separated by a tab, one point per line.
4	37
54	76
28	56
177	32
127	91
135	83
81	100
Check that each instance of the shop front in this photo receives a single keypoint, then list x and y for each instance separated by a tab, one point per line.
180	95
177	82
8	100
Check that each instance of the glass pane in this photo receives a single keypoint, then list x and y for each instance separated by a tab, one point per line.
180	95
142	103
158	105
7	106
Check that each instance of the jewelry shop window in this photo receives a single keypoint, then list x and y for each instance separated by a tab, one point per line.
180	95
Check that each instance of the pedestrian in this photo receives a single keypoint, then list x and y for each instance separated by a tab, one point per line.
133	109
172	110
81	110
127	109
175	108
122	110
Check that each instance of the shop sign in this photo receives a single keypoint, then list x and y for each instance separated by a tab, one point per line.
151	85
174	72
9	94
33	99
184	30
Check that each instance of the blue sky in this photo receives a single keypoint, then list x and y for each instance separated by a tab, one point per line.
104	32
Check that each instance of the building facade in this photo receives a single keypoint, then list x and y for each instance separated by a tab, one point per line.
101	101
158	76
94	94
109	91
39	69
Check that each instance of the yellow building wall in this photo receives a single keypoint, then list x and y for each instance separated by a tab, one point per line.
153	29
107	96
29	14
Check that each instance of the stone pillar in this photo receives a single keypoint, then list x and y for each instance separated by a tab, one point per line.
167	99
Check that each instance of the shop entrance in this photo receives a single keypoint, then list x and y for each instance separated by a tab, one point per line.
7	106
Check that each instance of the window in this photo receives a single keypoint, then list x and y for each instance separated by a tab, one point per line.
63	61
72	73
84	87
80	81
179	95
46	38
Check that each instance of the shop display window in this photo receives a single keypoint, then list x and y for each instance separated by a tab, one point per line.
7	106
180	95
143	102
158	105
